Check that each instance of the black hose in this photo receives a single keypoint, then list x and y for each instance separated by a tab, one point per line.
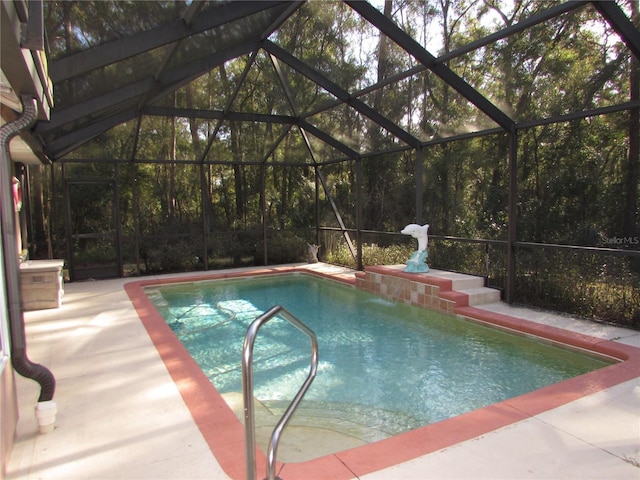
19	360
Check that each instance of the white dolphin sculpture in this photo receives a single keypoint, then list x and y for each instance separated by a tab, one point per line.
418	231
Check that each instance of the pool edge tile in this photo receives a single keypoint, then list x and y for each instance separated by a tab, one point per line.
430	438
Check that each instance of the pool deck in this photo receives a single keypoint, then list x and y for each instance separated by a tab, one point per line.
121	414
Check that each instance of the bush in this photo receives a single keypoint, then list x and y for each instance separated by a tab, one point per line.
583	284
283	247
167	256
372	254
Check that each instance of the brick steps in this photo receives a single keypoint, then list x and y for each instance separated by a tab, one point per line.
436	289
481	295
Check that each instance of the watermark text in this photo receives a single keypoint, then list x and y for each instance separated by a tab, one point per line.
621	240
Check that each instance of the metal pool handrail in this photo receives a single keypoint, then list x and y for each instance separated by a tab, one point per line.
247	390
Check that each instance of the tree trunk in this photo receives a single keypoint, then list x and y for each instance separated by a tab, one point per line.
193	125
238	171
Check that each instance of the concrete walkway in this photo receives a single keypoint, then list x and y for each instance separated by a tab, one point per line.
121	416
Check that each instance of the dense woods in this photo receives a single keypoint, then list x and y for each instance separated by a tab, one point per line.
199	191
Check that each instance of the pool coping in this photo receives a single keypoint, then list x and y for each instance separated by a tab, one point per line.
224	433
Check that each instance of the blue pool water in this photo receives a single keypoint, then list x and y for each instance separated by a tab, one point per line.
406	366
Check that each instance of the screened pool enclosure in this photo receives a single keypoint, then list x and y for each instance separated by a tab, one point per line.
204	134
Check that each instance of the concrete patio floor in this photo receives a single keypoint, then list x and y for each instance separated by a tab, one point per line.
121	416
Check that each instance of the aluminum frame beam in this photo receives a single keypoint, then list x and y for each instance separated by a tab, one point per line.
339	92
245	71
321	134
170	81
328	139
505	32
67	143
59	118
173	31
218	115
395	33
516	28
327	192
621	24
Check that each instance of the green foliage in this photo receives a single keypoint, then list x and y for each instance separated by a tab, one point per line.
571	188
93	252
582	284
283	247
372	254
393	254
167	255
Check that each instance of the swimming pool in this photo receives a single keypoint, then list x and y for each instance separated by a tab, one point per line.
224	433
385	367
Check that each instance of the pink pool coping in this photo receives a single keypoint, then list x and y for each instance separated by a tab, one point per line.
224	433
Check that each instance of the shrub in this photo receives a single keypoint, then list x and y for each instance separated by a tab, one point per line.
167	255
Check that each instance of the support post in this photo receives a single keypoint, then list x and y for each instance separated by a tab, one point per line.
317	195
133	178
67	223
116	219
53	224
512	210
263	213
359	260
204	203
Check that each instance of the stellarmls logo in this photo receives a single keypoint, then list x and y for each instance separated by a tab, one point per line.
621	241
